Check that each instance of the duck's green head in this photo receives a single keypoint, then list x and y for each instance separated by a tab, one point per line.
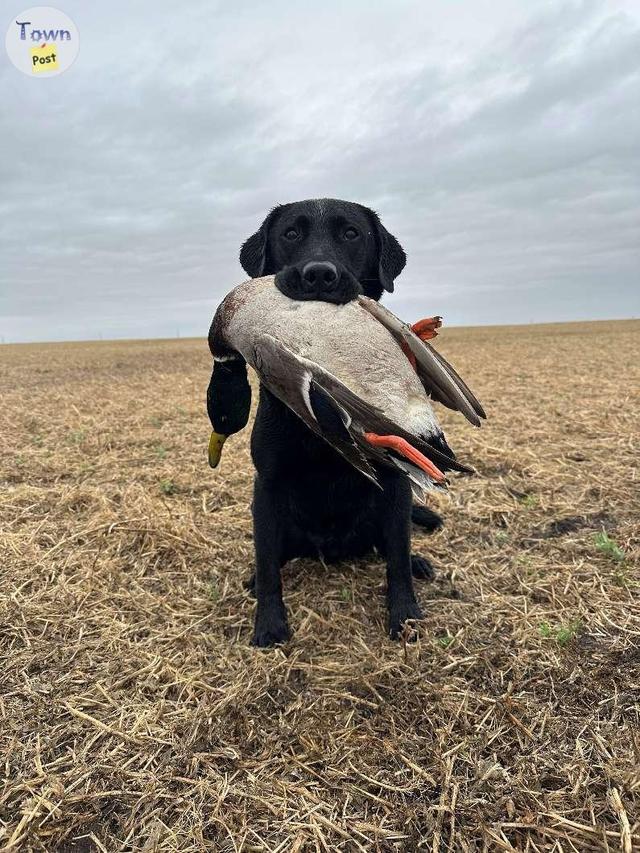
228	403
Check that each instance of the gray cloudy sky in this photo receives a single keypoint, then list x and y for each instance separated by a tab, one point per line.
499	141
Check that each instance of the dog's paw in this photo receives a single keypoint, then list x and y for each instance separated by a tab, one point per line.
426	518
421	568
250	584
270	628
401	613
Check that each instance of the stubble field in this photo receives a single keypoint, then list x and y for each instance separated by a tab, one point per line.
135	715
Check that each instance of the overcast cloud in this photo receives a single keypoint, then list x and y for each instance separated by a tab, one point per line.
499	141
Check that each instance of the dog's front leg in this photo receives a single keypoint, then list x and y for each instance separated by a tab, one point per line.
396	537
269	526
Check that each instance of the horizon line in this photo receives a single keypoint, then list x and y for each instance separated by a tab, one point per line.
204	337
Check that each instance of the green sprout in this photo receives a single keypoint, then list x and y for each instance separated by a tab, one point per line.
214	590
562	634
608	547
77	436
168	487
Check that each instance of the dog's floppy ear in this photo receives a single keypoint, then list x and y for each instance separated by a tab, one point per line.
391	256
253	254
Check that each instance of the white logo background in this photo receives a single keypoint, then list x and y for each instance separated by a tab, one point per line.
46	24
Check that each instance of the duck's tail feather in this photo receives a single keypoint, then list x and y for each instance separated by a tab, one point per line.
420	482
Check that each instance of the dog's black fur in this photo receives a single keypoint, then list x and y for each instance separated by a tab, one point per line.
308	501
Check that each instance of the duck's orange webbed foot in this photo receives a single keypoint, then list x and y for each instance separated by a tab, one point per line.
402	446
426	330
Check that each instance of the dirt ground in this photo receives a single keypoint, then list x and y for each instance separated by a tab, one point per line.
135	715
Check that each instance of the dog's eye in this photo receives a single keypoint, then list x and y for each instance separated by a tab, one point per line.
350	233
291	234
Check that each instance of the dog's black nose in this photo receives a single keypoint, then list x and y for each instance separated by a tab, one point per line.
319	280
320	275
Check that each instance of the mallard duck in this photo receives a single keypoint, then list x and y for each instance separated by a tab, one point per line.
354	373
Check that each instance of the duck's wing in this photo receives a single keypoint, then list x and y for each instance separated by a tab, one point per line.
440	379
291	378
343	419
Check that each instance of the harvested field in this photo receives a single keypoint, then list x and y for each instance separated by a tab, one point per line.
134	714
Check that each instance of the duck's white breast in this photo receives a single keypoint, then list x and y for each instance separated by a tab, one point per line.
345	340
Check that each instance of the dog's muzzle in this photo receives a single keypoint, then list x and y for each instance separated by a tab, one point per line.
320	280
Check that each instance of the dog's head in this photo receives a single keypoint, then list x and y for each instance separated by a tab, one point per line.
324	249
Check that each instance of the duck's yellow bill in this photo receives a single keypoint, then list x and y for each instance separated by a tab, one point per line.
215	448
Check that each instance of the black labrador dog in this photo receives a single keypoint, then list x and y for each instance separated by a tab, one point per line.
308	501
